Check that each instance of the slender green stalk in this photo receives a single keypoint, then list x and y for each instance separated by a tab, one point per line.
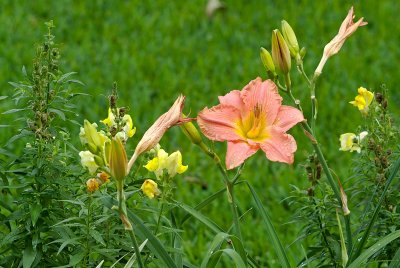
310	132
125	220
229	187
231	200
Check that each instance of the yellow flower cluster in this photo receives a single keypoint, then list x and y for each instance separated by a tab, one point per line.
172	164
127	129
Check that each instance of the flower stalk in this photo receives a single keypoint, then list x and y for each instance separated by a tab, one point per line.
126	222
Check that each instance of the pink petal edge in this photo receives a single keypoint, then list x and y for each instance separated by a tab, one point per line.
287	117
219	122
280	147
233	99
237	152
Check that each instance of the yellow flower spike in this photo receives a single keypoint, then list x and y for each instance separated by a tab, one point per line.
92	185
110	120
150	189
363	100
118	160
87	160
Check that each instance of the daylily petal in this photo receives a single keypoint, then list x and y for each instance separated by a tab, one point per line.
233	99
347	28
280	146
288	117
237	152
220	123
154	134
264	95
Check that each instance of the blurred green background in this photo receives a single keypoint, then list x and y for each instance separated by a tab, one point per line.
156	50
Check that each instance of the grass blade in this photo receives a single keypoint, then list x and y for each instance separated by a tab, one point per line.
209	223
272	235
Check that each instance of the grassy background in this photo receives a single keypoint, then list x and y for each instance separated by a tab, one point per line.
158	49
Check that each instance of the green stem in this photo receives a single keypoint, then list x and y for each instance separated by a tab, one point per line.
125	220
88	219
229	187
231	200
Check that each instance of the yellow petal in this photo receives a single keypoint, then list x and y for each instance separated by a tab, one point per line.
149	188
152	165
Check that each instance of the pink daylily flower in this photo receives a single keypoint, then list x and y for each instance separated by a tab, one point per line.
347	28
154	134
252	119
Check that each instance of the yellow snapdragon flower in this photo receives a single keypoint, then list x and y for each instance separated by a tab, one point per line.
87	160
351	142
363	100
110	120
171	163
149	188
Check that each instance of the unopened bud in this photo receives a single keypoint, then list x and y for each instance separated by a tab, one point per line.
267	61
98	160
280	53
191	132
118	160
290	38
92	148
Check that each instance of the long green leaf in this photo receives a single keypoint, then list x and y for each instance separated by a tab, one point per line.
272	235
209	223
144	233
239	248
176	243
363	258
29	256
204	203
132	259
365	236
231	253
214	246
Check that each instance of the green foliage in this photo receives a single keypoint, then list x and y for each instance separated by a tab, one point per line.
154	50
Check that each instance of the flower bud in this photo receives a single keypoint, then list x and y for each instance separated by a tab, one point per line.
98	160
191	132
267	62
280	53
118	160
290	38
92	148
